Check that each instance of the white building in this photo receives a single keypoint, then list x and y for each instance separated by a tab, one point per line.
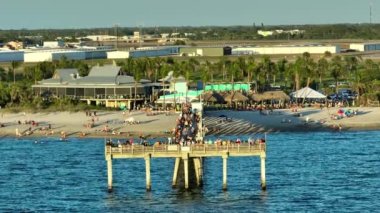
54	44
101	38
264	33
294	49
117	55
38	56
365	46
82	53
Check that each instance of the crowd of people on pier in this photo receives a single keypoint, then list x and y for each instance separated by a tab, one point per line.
187	125
215	142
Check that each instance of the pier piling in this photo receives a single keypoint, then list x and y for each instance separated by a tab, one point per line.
147	168
198	170
263	182
185	159
109	173
225	157
175	172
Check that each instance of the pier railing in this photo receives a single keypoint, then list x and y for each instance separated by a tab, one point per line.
164	150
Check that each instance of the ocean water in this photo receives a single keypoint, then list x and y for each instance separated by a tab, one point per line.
314	172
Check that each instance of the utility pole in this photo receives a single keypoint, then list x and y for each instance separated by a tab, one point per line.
117	36
370	12
140	35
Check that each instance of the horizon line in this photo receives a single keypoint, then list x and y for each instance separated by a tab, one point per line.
183	26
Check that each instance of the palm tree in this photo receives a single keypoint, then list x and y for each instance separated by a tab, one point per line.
164	69
209	67
176	72
221	66
322	68
309	67
336	70
157	62
233	70
351	65
368	75
242	66
204	75
267	68
14	66
251	66
281	68
137	76
186	71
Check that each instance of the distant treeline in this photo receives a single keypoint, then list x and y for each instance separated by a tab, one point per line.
331	31
328	73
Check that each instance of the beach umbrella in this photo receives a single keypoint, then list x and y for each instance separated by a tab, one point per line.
212	97
206	96
235	97
275	95
256	97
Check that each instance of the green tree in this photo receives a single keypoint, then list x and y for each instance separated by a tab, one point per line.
4	94
83	68
3	74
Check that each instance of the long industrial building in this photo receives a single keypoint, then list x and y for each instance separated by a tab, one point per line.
292	49
11	55
107	52
363	47
48	54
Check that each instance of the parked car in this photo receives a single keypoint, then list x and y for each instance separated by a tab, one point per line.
347	94
334	97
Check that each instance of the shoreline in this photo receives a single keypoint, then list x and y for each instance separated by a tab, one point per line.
224	122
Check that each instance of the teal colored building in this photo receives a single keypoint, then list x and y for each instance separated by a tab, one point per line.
228	87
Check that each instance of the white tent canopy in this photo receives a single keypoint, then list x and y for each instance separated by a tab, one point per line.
307	92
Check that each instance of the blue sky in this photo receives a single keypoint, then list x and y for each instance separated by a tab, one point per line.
32	14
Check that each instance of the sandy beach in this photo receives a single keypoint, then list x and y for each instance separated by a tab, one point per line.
138	123
78	124
305	119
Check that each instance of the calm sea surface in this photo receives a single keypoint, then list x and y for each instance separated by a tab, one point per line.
317	172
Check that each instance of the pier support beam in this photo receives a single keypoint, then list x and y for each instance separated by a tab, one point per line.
109	173
185	158
263	182
198	170
225	156
175	172
147	171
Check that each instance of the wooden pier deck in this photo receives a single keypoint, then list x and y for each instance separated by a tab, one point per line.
195	152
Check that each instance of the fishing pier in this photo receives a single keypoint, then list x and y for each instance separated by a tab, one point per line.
184	157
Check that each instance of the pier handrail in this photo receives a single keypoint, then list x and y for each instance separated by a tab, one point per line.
138	149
